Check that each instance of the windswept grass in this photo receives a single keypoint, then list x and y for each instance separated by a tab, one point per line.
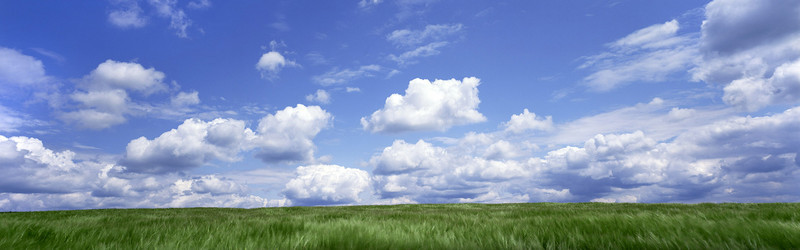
434	226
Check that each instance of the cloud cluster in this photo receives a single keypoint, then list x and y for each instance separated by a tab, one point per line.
102	97
752	47
38	178
736	159
749	46
426	105
285	136
326	185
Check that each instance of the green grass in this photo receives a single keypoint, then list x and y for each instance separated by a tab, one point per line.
434	226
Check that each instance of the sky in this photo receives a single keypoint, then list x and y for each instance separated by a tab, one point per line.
187	103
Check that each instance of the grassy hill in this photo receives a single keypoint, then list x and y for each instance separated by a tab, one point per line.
432	226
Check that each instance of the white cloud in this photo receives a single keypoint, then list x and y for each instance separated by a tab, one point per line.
326	185
287	135
271	63
422	172
428	106
17	69
408	57
128	18
653	36
192	144
655	118
178	20
103	100
124	75
650	54
37	178
336	76
184	99
527	121
321	96
352	89
751	47
433	32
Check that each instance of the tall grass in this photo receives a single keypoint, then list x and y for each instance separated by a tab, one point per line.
433	226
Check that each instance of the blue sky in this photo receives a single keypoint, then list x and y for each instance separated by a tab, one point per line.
167	103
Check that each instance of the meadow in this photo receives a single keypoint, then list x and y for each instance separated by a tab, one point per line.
427	226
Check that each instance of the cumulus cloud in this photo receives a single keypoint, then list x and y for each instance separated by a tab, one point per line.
124	75
751	47
422	172
38	178
336	76
321	96
352	89
753	93
527	121
103	100
285	136
17	69
192	144
326	185
271	63
428	106
650	54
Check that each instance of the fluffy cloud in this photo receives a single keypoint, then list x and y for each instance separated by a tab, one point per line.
428	106
753	93
321	96
271	63
751	47
38	178
192	144
326	185
650	54
337	76
527	121
17	69
422	172
285	136
124	75
103	99
735	159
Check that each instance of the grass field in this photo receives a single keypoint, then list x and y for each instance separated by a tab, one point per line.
434	226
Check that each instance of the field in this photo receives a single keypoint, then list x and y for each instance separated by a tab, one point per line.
434	226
